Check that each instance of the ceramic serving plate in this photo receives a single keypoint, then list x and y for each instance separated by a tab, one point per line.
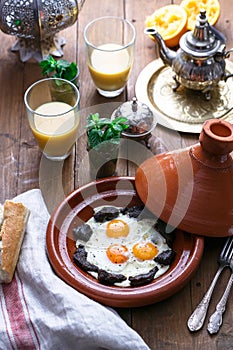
78	208
184	110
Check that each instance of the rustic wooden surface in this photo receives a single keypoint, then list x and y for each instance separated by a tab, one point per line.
162	325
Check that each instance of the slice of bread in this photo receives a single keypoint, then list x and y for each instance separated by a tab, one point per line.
15	217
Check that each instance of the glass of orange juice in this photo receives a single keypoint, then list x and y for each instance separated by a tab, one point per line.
110	43
52	106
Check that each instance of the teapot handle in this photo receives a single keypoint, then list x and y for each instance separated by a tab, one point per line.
226	55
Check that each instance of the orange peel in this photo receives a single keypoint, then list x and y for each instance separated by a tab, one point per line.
170	21
193	7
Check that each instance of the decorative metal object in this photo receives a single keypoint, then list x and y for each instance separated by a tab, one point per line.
36	23
140	118
183	110
199	64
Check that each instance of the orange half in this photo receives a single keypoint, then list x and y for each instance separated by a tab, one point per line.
170	21
193	7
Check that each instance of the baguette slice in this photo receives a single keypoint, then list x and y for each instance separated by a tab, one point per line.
12	232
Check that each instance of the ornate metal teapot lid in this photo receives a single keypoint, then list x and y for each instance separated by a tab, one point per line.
141	119
202	41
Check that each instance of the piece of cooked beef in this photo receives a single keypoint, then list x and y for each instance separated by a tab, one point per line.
107	278
82	232
166	257
161	227
139	280
132	212
80	259
106	214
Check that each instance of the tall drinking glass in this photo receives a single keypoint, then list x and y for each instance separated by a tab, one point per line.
52	106
110	43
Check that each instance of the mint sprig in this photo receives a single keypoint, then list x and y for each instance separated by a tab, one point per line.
104	129
59	68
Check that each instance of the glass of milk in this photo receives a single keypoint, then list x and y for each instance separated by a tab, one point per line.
52	107
110	43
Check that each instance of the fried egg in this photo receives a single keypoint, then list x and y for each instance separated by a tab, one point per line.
124	245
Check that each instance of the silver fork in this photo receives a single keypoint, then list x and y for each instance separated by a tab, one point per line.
215	319
197	318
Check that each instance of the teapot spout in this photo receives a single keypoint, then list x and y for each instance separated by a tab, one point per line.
165	53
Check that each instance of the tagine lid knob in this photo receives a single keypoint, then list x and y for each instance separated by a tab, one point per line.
216	137
202	41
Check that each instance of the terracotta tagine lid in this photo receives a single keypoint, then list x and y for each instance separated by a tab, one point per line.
192	188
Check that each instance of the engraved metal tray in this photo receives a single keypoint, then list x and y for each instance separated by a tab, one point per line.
184	110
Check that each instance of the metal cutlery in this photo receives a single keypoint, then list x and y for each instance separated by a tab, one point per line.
197	318
215	319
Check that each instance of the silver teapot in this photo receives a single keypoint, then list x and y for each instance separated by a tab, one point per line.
199	63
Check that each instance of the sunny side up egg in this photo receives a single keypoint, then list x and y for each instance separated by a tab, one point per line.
124	245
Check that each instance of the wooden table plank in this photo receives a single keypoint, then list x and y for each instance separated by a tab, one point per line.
11	79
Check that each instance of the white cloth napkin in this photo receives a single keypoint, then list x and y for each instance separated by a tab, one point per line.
40	311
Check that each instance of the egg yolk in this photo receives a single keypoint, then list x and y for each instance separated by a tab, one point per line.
117	253
117	228
145	250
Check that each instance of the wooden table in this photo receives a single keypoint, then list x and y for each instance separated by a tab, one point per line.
162	325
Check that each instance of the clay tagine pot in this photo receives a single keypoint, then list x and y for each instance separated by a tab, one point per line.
192	188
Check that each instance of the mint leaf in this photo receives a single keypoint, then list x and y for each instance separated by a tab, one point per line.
104	129
94	138
59	68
